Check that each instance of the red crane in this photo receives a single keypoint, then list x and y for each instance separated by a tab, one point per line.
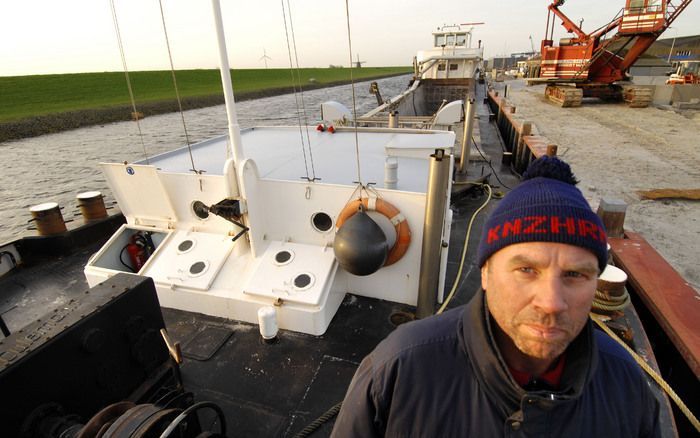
591	65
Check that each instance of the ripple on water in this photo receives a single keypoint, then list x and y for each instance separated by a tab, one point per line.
56	167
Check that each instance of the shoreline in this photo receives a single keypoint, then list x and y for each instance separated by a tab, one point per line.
66	121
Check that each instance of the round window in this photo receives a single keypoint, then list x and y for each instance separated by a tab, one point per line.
283	257
198	268
200	209
303	281
185	246
321	221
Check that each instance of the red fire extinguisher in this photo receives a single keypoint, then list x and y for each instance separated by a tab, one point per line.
137	252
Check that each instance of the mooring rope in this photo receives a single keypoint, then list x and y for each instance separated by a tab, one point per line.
294	88
135	114
464	249
301	92
608	303
177	92
354	104
654	375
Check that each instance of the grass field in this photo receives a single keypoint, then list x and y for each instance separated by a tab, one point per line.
26	96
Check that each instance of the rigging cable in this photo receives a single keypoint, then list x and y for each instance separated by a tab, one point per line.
301	92
294	88
354	104
135	114
177	92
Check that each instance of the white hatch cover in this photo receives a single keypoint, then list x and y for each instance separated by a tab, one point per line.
293	272
139	192
190	259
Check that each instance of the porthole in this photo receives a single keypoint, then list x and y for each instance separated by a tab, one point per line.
283	257
321	222
200	209
185	246
303	281
198	268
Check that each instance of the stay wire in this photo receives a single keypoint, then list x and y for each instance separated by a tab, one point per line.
354	104
294	88
177	92
301	91
135	115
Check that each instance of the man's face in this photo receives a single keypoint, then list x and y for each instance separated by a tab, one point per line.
539	295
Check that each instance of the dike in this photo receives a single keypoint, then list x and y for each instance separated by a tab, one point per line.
52	123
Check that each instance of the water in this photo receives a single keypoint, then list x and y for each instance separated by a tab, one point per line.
56	167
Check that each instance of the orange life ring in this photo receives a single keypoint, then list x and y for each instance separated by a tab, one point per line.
403	232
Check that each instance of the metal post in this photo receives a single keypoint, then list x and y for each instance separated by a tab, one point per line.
394	119
234	130
467	135
612	212
432	233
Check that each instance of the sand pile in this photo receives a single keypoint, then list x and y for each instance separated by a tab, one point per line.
617	151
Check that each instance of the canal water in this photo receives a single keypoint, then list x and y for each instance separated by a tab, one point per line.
56	167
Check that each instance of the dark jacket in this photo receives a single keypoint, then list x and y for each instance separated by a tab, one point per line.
444	377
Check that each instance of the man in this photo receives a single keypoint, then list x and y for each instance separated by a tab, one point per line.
521	358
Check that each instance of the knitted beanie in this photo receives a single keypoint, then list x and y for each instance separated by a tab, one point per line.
545	207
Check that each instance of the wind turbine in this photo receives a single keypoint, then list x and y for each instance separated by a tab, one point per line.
265	57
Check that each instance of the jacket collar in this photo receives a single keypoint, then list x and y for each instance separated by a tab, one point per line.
491	370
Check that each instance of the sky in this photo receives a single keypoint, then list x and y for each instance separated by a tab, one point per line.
72	36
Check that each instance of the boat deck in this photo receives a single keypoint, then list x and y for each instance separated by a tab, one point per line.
321	159
269	389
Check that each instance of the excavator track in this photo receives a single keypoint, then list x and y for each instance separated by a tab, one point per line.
564	96
637	97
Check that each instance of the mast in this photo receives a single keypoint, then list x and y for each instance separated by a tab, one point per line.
234	131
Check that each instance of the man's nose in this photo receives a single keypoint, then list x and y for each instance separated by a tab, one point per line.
550	296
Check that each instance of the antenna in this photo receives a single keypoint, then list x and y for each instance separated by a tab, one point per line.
265	57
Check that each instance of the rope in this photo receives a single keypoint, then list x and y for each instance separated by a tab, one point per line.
352	84
195	407
177	92
464	250
128	81
301	92
605	302
654	375
294	88
311	428
488	161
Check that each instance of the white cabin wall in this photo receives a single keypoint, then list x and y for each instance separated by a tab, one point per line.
281	211
184	189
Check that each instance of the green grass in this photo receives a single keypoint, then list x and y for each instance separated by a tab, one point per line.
26	96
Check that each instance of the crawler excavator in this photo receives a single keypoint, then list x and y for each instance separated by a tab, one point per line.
591	65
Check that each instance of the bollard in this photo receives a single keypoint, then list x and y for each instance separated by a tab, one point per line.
48	219
92	206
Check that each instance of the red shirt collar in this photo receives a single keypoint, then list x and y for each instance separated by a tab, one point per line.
552	377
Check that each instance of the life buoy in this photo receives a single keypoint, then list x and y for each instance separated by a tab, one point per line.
403	232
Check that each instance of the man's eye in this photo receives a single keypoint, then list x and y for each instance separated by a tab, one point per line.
573	274
526	270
